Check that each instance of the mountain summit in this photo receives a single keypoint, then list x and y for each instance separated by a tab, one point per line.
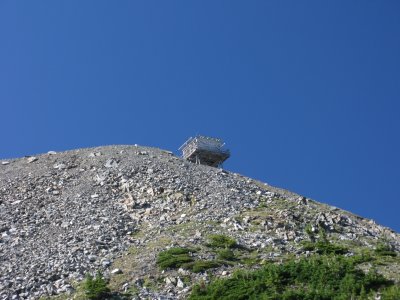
159	227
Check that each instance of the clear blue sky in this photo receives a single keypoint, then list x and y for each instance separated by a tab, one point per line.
305	93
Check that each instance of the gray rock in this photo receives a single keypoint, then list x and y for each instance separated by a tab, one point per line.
92	258
106	263
180	284
32	159
111	163
59	166
116	271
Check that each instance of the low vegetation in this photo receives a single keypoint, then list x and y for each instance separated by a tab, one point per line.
95	288
203	265
318	277
174	258
384	249
324	247
180	257
321	245
226	254
221	241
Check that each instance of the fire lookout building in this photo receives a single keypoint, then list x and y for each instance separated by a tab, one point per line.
205	150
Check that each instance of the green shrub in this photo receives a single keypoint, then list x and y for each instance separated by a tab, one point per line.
384	249
361	258
174	258
391	293
221	241
319	277
203	265
96	288
250	261
177	251
329	248
308	246
322	234
324	247
226	254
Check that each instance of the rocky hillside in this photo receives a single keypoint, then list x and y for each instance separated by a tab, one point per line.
115	209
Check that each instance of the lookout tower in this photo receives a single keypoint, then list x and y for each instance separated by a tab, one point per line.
205	150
